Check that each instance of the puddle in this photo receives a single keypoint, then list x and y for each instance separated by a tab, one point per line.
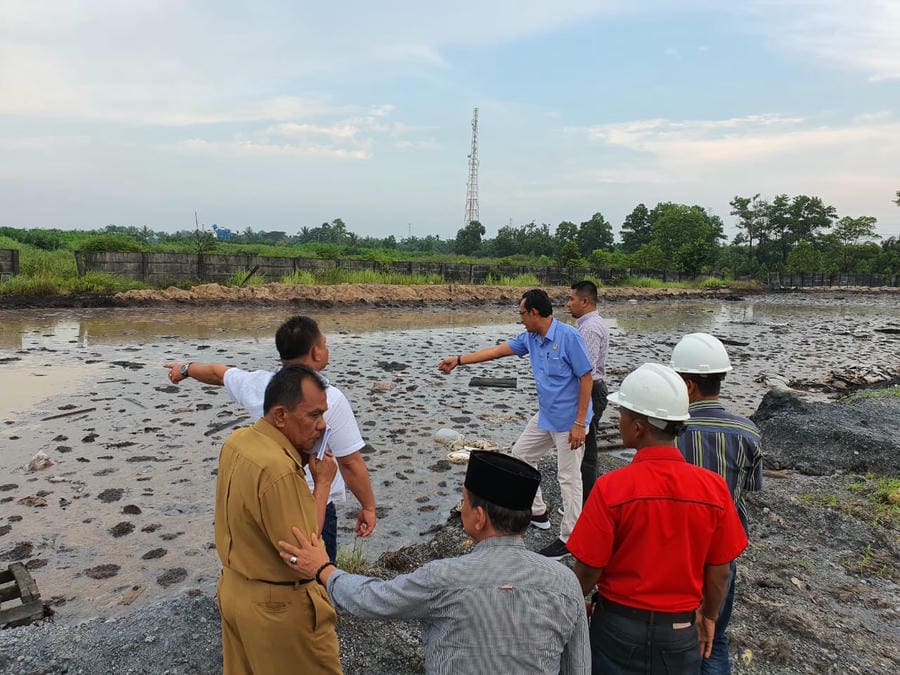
154	447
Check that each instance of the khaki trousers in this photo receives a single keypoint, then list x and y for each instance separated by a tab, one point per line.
532	445
267	628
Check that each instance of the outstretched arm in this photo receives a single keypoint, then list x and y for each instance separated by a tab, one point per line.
487	354
207	373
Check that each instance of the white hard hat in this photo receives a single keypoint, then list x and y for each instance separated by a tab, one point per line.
654	390
700	353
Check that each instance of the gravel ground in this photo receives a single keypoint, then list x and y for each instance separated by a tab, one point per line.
817	589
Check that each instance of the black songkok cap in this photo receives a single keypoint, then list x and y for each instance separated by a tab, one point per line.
502	479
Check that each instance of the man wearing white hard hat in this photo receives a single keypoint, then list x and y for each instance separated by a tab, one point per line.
719	441
656	538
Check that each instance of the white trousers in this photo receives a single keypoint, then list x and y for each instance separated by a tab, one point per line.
532	445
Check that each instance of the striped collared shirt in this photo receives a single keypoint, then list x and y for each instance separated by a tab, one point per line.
596	338
727	444
499	609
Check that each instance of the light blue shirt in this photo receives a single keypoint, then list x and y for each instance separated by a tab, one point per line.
558	361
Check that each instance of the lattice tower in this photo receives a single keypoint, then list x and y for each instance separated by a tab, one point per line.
472	184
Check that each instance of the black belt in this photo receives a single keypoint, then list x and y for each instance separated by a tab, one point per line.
298	582
646	615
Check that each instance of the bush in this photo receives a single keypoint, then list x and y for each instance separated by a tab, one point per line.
244	278
299	277
112	243
100	282
518	280
23	285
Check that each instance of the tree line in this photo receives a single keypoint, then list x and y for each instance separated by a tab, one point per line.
790	234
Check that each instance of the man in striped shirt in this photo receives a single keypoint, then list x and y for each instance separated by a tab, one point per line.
722	442
498	609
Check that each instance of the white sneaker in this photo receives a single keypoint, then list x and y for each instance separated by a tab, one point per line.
541	522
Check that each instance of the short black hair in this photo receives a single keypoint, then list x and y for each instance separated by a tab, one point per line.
286	386
504	520
539	300
668	433
296	337
709	384
586	289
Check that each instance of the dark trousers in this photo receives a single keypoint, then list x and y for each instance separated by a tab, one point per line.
622	645
589	460
329	531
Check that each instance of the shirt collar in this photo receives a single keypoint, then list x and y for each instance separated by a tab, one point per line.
705	405
268	430
551	333
584	317
514	540
659	453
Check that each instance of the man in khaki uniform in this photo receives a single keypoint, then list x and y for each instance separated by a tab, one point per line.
272	622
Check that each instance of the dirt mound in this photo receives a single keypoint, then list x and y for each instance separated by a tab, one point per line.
819	438
383	295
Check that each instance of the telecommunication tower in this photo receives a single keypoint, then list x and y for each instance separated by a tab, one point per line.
472	184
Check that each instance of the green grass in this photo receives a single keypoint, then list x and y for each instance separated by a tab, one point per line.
352	558
878	393
819	499
299	277
244	278
518	280
650	282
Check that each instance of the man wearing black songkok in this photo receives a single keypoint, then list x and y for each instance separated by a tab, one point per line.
499	608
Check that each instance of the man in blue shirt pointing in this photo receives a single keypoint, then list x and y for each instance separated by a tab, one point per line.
562	376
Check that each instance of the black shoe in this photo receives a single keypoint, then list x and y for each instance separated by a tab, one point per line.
556	550
541	522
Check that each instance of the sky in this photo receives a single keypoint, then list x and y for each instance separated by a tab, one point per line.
281	114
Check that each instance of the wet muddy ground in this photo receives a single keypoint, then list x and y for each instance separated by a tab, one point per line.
123	516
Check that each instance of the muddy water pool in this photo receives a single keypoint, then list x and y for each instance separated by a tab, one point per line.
129	500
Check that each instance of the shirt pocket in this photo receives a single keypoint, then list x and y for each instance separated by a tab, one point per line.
557	367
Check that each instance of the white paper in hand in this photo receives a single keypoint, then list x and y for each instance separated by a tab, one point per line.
321	445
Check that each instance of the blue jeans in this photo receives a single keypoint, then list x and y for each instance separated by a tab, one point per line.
625	646
718	662
329	531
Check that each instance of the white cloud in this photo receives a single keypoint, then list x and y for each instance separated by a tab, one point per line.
247	148
701	146
860	35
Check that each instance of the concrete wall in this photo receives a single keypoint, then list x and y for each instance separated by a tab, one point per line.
9	262
162	268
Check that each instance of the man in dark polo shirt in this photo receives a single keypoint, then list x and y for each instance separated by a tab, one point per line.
656	538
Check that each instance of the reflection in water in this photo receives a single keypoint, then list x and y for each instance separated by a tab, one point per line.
25	329
34	381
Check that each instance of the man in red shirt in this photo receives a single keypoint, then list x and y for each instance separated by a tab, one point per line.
656	538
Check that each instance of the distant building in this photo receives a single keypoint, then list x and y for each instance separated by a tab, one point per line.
222	233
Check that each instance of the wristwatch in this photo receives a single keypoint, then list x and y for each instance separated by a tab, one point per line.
184	369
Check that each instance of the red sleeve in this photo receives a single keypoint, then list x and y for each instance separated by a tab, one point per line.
591	541
729	539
